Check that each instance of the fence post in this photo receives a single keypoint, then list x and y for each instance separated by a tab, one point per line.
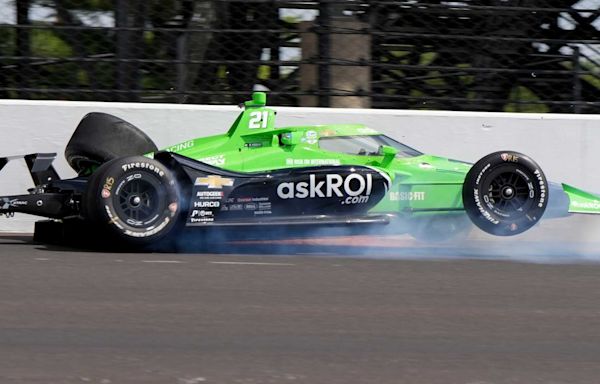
324	52
576	80
23	47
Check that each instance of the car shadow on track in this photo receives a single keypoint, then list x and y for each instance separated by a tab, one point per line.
16	239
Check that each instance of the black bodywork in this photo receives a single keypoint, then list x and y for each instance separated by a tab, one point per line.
211	196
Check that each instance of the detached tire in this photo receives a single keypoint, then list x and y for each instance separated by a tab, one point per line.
134	200
505	193
101	137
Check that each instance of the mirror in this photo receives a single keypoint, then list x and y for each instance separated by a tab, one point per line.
291	138
389	153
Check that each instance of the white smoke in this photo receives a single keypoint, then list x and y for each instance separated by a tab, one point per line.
572	239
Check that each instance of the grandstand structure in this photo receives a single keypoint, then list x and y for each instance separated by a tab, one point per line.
496	55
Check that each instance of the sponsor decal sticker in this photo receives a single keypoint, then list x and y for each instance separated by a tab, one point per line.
201	216
181	146
263	209
312	162
586	205
252	199
509	157
407	196
207	204
355	187
310	137
217	161
8	203
210	194
201	213
107	188
214	181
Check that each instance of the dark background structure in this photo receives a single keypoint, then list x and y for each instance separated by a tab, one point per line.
521	56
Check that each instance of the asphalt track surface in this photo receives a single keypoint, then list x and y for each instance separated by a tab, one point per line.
311	315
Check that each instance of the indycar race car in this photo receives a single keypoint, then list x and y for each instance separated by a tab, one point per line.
257	176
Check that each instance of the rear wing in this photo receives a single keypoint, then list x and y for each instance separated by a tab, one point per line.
39	164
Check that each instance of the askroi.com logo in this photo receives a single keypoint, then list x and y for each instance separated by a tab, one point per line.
355	188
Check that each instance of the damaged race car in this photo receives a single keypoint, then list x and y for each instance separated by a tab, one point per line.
257	175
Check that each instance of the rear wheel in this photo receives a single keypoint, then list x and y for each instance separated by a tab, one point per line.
133	199
505	193
101	137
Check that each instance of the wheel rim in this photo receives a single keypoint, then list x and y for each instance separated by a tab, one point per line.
508	192
138	202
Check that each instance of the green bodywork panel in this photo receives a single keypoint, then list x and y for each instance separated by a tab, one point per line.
422	184
581	201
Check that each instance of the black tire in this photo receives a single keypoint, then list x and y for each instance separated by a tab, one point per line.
101	137
505	193
447	228
135	200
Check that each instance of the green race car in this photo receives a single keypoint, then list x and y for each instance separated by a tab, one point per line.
257	174
505	193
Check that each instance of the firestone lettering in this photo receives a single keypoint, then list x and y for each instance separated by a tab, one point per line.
538	175
148	166
202	219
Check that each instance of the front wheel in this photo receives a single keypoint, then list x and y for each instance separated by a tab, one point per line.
134	199
505	193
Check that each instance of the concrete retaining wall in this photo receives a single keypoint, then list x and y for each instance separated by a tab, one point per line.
564	145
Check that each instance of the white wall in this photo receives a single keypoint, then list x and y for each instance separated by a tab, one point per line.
564	145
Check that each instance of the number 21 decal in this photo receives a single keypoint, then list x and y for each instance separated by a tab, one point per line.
258	119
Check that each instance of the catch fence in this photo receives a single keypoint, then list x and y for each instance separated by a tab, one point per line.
523	56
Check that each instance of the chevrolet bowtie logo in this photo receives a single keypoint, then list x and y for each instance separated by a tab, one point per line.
214	181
